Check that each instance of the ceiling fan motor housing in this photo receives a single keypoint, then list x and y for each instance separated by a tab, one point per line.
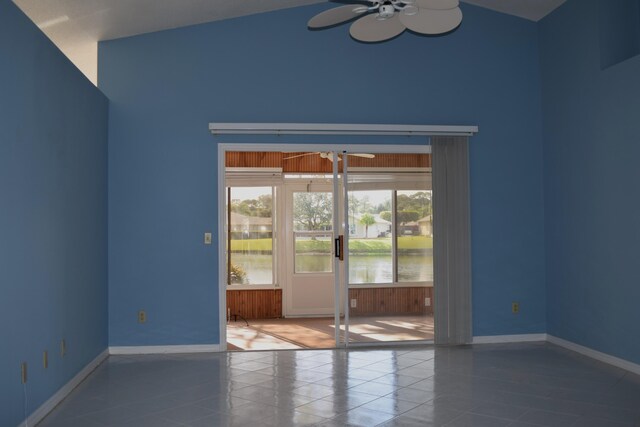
386	11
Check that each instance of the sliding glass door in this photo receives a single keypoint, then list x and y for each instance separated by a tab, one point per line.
388	248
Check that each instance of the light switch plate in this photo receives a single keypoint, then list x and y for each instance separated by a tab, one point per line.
207	238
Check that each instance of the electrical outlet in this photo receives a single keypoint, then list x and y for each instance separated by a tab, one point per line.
45	359
142	316
515	307
427	302
63	348
354	303
208	237
23	372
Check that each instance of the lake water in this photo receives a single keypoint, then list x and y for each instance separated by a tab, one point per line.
362	268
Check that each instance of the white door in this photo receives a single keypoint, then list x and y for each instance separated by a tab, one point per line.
309	266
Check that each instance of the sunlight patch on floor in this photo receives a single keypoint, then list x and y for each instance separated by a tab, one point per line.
297	333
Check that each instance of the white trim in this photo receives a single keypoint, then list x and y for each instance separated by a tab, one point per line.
594	354
376	344
324	147
253	170
48	406
500	339
337	129
165	349
390	169
392	285
222	248
254	287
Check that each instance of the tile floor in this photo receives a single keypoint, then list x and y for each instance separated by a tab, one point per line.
300	333
492	385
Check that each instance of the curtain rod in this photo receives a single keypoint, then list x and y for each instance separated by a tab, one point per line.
338	129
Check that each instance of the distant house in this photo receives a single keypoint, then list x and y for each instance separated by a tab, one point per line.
250	227
381	228
409	229
426	226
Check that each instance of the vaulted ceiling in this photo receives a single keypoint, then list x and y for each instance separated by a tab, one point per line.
76	26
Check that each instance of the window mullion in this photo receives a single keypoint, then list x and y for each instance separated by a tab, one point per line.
394	235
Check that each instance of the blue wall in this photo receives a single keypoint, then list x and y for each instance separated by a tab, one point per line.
164	89
53	215
591	152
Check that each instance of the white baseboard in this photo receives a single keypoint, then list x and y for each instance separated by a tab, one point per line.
594	354
502	339
165	349
48	406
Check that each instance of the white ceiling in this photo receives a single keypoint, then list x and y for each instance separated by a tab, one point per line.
76	26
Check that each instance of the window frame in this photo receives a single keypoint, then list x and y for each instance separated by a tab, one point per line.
275	182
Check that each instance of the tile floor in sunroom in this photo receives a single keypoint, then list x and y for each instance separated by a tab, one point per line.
533	384
319	333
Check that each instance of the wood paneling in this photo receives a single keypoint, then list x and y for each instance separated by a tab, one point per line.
267	303
392	300
253	160
255	304
316	164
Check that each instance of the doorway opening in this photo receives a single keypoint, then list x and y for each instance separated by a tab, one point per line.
314	260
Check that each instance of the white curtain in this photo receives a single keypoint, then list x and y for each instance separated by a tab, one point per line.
451	238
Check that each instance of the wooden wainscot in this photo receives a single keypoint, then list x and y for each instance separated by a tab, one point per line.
255	304
391	301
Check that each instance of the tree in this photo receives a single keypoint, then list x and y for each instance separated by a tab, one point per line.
367	220
365	204
408	216
386	215
312	211
419	201
260	207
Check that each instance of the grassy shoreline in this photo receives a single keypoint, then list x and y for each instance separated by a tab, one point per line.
382	245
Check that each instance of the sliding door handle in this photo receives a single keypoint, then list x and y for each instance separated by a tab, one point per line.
339	247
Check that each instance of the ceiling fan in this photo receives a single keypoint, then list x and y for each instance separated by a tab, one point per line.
329	155
380	20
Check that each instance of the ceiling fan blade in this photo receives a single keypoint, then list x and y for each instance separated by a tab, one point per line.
335	16
300	155
365	155
438	4
432	22
370	29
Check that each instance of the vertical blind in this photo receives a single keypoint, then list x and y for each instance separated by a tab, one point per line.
451	235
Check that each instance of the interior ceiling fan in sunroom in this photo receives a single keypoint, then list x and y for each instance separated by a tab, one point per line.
380	20
329	155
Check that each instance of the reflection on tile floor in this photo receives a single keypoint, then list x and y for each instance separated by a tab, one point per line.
493	385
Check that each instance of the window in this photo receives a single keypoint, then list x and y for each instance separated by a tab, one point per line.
370	237
390	236
414	236
312	232
251	238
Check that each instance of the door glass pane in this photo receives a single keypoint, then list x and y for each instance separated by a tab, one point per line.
370	234
389	296
251	236
313	253
415	236
313	234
